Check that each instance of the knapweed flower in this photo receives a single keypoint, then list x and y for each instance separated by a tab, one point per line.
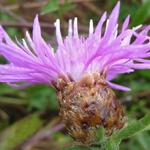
81	69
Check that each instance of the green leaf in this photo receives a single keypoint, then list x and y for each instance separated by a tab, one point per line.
133	128
139	142
112	145
45	98
145	73
19	132
100	134
66	7
51	6
144	140
142	14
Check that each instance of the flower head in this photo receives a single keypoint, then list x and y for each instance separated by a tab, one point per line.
81	69
113	51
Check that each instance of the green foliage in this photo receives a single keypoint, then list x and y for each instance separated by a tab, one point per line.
66	7
133	129
42	97
19	132
142	140
142	14
11	31
51	6
144	143
55	6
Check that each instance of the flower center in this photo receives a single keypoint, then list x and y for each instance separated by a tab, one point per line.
88	104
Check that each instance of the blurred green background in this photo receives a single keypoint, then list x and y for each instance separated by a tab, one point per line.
29	117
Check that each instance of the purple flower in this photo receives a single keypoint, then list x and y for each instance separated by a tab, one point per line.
114	51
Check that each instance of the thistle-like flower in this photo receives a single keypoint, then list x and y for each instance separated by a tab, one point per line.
81	69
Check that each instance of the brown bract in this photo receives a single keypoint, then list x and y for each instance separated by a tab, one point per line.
88	104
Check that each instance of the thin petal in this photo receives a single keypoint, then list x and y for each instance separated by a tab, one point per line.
58	32
118	87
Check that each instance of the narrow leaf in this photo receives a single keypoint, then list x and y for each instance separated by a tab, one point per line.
142	14
133	128
19	132
144	140
51	6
